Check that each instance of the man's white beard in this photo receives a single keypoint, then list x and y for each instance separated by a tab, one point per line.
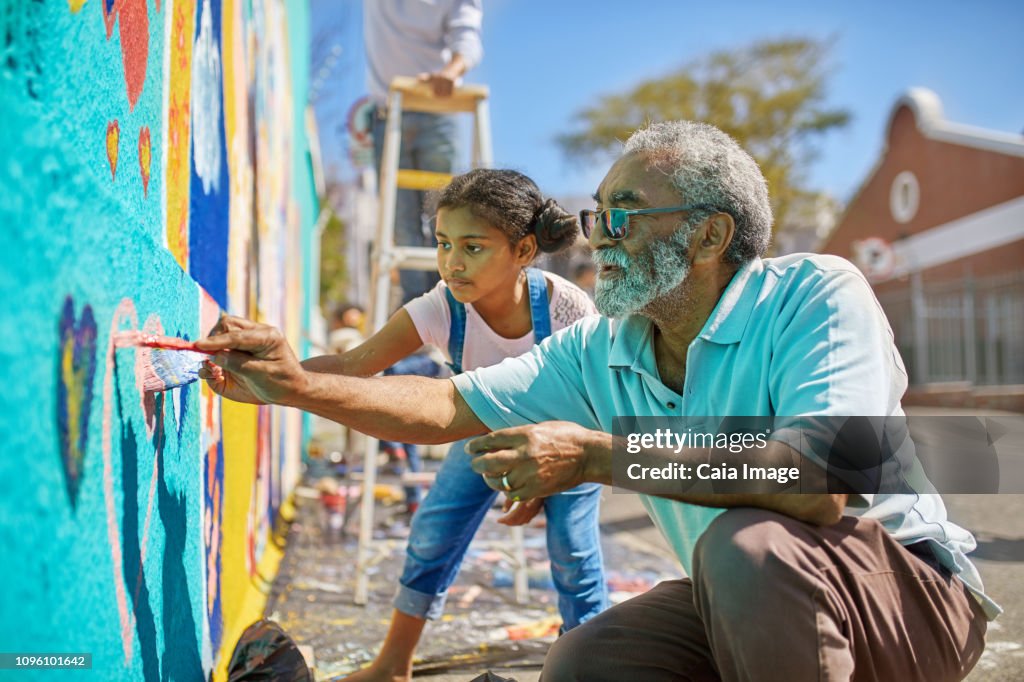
644	277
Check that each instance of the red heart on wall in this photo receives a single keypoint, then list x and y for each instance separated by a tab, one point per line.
133	29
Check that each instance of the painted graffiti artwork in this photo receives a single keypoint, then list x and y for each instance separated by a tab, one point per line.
141	502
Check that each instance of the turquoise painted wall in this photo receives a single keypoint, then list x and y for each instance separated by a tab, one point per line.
153	171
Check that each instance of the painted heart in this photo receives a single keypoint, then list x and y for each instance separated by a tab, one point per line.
113	135
76	367
145	156
109	8
132	17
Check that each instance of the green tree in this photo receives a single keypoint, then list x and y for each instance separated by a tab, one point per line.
333	264
770	96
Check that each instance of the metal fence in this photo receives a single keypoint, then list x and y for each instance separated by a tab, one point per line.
967	330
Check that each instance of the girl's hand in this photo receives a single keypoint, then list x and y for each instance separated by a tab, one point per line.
520	513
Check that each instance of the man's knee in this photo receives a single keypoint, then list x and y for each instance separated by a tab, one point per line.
571	657
746	546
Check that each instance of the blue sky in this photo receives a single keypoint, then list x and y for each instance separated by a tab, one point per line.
545	60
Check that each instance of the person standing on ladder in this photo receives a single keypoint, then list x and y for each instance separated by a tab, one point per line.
438	41
491	305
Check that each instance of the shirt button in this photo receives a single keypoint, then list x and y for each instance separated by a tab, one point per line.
671	406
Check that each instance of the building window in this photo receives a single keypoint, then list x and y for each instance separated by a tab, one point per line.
904	197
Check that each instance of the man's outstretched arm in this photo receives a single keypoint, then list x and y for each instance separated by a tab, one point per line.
258	366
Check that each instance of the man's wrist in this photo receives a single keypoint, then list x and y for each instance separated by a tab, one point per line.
597	457
302	394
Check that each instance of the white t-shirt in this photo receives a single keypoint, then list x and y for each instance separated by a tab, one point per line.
483	347
409	37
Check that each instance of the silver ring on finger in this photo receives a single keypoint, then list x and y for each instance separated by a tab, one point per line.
505	485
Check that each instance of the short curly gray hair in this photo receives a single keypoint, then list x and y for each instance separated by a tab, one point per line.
709	167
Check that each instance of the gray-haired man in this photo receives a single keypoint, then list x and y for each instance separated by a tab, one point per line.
781	586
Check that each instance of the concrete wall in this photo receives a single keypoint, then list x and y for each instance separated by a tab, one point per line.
154	171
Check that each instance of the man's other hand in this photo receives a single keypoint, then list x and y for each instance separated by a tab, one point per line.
537	460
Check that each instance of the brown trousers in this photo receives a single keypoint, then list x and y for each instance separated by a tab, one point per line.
773	598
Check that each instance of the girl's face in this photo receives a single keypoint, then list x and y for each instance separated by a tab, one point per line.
475	258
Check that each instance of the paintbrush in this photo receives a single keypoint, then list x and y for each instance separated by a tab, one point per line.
164	362
139	338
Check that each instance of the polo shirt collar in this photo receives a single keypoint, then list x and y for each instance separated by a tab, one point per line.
729	319
631	345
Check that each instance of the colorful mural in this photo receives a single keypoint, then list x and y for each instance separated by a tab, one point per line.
153	173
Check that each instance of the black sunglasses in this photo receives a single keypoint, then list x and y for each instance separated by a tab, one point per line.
615	221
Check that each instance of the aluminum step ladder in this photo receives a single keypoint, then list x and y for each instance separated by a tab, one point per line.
408	94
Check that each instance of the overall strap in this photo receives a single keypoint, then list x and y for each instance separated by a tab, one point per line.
540	313
540	316
456	332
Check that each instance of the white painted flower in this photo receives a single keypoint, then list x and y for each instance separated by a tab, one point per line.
206	103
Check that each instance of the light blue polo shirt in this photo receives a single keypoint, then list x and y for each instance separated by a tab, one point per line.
798	335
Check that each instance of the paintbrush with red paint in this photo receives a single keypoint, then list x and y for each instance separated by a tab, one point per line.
166	361
140	338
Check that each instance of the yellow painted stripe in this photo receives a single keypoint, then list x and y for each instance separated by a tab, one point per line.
422	180
253	604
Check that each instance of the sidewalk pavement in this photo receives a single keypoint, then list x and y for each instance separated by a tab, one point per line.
484	629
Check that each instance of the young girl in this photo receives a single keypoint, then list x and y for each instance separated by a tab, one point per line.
489	305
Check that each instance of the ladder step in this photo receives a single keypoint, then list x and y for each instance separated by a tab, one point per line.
417	478
421	180
413	258
417	96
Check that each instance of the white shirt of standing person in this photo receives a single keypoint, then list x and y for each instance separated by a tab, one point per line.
410	37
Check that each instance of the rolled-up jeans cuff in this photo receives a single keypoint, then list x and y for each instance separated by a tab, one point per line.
419	604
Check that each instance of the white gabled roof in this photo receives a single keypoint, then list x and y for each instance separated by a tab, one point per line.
927	109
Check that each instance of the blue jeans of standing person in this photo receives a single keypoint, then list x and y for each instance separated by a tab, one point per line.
429	142
452	512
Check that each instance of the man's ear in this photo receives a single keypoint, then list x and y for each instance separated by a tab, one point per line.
713	238
526	249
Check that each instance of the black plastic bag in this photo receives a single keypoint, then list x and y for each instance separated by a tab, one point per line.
266	652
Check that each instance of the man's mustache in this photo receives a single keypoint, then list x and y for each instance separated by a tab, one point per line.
610	256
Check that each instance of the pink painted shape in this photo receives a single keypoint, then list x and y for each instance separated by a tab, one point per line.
149	516
125	309
143	360
121	339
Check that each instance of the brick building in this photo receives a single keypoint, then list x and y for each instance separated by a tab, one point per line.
938	227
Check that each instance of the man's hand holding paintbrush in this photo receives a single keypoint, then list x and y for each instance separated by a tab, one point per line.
260	365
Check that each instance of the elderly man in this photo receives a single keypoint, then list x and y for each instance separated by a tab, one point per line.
781	586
